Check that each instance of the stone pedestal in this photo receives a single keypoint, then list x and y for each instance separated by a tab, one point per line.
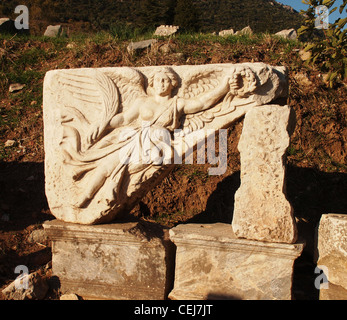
332	256
114	261
211	263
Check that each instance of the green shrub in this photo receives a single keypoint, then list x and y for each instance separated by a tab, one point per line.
328	51
124	31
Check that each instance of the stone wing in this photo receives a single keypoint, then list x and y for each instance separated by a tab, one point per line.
202	81
130	84
92	95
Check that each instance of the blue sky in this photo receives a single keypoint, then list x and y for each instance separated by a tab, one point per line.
298	5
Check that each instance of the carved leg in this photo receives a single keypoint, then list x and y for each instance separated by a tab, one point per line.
93	186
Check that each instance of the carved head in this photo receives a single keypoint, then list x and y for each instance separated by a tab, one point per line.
163	82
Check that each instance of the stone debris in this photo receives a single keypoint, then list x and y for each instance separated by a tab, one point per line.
247	31
53	31
140	45
332	256
303	79
30	287
225	33
166	30
16	87
38	236
287	34
9	143
304	55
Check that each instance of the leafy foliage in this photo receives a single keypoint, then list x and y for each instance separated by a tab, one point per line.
328	51
186	15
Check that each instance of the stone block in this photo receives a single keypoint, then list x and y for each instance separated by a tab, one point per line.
332	254
261	210
114	261
211	263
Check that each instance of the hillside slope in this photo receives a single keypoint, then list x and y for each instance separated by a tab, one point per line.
211	15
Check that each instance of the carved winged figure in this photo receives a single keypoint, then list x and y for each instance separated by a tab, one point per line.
108	116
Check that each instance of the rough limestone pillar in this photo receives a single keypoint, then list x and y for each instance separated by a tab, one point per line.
332	257
261	210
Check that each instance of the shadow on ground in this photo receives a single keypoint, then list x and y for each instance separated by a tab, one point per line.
310	191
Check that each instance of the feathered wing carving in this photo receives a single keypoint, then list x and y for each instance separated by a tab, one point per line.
130	83
84	98
90	100
243	83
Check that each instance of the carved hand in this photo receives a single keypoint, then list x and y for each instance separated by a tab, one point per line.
242	82
235	83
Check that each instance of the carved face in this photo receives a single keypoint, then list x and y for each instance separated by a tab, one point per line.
162	84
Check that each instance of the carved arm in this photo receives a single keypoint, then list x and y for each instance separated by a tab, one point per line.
208	99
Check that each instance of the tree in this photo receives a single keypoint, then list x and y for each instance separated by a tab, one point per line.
329	52
153	13
186	15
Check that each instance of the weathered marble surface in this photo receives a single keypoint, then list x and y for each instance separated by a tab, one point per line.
261	210
114	261
97	121
211	263
332	255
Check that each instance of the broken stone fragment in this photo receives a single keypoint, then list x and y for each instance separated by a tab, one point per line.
211	263
30	287
332	255
287	34
16	87
140	45
53	31
38	235
247	31
166	30
225	33
9	143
